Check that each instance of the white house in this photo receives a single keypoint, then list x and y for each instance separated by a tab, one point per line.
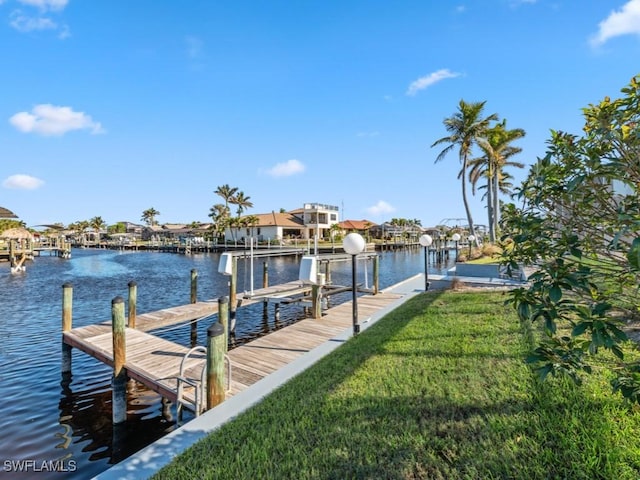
302	223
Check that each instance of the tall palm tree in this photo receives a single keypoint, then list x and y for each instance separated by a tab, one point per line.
242	202
149	216
219	214
497	150
466	127
226	192
97	224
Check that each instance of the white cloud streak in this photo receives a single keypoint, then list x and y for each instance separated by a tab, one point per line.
622	22
380	208
51	120
25	23
430	79
21	181
286	169
46	4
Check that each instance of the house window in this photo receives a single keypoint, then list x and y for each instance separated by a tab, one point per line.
322	218
334	217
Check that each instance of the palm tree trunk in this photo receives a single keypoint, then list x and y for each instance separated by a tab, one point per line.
496	204
464	197
490	211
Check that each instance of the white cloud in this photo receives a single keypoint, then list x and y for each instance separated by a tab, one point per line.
380	208
46	4
22	182
622	22
368	134
50	120
24	23
428	80
286	169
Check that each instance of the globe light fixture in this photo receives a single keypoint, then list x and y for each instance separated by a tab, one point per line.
354	244
471	239
426	241
456	238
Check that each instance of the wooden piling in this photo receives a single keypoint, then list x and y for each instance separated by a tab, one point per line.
194	299
133	303
215	365
67	320
327	273
223	318
265	275
233	287
119	380
316	304
376	275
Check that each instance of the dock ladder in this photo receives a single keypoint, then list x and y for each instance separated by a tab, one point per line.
199	404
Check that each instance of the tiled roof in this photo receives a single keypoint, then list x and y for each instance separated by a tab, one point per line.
356	224
279	220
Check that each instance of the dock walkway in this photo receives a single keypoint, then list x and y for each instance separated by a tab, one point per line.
156	362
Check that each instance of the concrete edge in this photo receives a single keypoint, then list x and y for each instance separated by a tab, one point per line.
146	462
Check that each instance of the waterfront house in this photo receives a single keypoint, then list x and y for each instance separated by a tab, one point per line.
303	223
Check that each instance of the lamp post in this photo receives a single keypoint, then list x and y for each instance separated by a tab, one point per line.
354	244
426	241
471	239
456	238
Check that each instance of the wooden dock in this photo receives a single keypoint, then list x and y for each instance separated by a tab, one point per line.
155	362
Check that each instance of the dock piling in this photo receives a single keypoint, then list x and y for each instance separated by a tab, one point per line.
223	318
376	274
194	299
265	275
215	365
67	320
133	302
119	380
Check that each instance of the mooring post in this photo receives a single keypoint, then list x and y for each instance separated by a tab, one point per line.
233	286
316	304
133	302
119	380
265	275
327	272
194	299
67	320
215	365
376	274
223	318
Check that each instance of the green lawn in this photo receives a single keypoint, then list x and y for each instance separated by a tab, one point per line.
436	390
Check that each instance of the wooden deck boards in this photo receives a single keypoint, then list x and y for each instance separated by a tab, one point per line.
155	362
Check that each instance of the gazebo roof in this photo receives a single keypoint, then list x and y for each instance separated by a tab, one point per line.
6	213
16	233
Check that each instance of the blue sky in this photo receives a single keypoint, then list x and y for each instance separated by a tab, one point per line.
113	107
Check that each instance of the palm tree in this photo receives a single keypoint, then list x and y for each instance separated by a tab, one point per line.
97	223
242	202
497	150
226	192
149	216
334	229
466	127
219	214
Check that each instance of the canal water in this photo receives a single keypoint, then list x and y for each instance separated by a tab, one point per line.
64	423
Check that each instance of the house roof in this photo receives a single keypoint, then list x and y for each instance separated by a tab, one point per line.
6	213
356	224
274	219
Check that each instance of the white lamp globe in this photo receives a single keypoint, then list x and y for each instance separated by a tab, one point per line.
353	244
471	238
455	237
425	240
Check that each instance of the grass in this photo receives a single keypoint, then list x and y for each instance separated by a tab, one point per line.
437	390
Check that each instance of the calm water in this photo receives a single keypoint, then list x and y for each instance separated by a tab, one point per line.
48	418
